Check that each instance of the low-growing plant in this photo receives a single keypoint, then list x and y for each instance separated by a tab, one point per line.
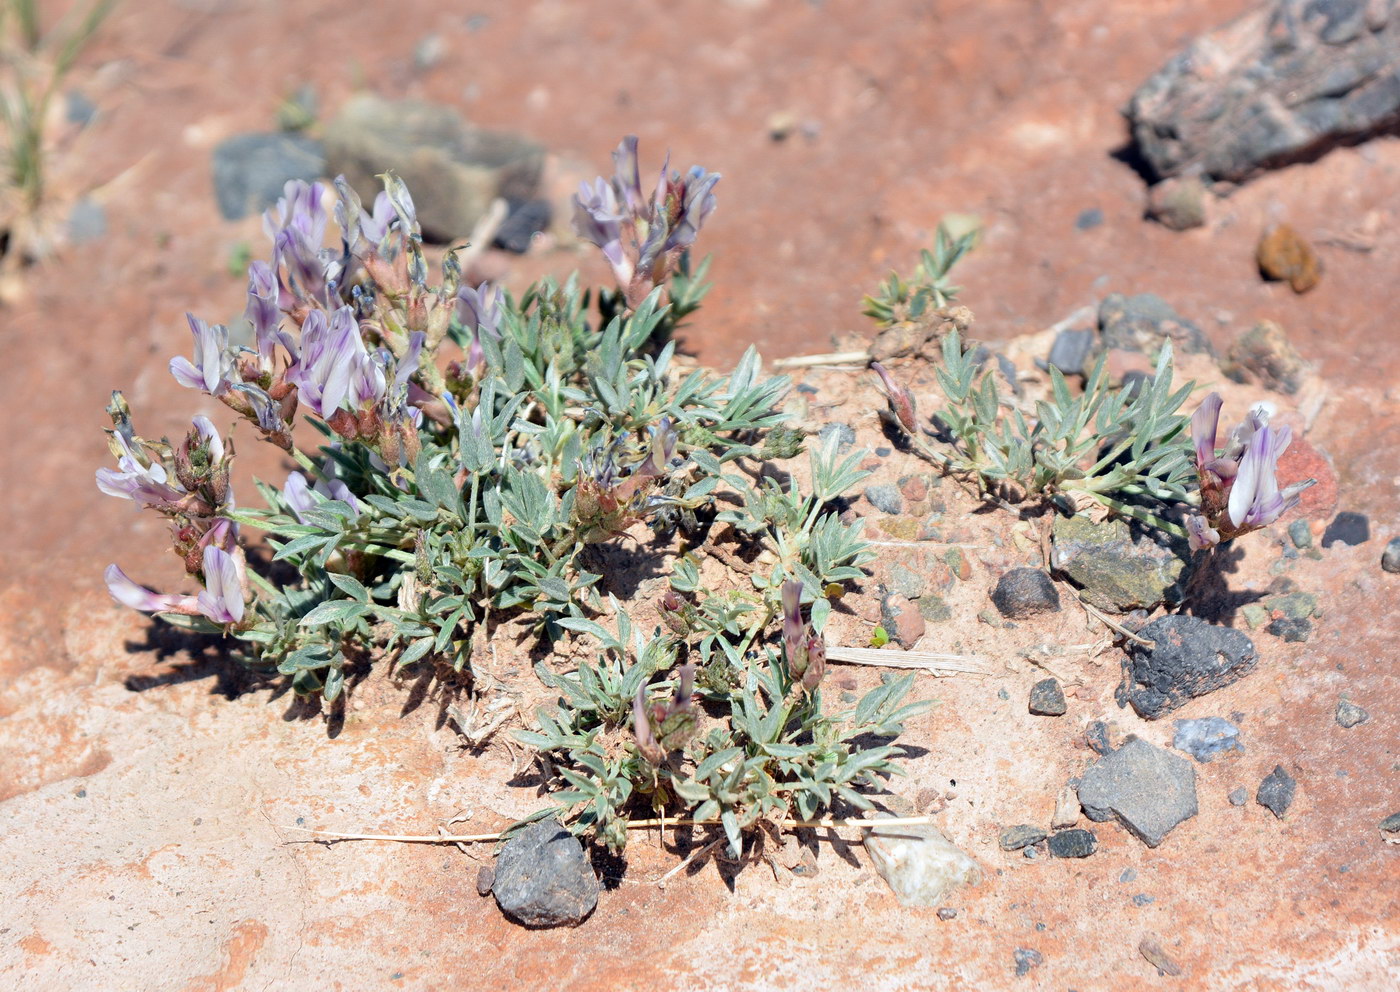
1126	447
458	453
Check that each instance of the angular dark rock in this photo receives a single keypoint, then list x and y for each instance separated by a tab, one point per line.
1391	824
1047	698
1073	844
453	169
1147	789
1024	835
1118	571
1347	527
1072	351
251	170
543	878
1276	791
1143	322
1281	84
1096	736
1025	592
1291	628
1188	658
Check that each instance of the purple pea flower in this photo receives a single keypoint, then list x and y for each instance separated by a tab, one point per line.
1255	500
222	600
795	641
297	227
264	313
332	353
213	362
141	479
597	219
1200	534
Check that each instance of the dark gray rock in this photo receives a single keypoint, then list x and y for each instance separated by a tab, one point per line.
1149	790
1203	739
1143	322
251	170
1027	958
1024	835
885	498
1347	528
1390	559
485	878
1301	534
543	878
1143	899
1025	592
1291	628
1349	714
1047	698
1118	571
1096	736
1239	797
1276	791
1072	351
1391	824
1281	84
845	436
947	913
1188	658
453	170
1073	844
525	220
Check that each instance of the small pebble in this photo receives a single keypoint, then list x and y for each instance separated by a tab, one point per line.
1276	791
1391	824
947	913
1300	534
1089	219
1025	592
1349	714
885	498
485	877
1096	736
1129	874
1022	835
1153	952
1291	628
1239	797
1073	844
1143	899
1026	958
1390	560
1047	698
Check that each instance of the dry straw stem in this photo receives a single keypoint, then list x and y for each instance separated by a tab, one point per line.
663	822
830	358
1115	626
940	665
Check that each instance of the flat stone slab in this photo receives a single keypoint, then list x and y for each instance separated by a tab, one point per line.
1148	790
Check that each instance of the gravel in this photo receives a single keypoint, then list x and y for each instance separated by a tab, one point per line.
1147	789
543	878
1047	698
1276	791
1188	658
1025	592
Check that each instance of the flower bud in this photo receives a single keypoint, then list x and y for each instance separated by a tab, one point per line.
900	399
816	663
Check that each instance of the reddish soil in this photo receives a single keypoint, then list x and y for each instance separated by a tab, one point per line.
145	808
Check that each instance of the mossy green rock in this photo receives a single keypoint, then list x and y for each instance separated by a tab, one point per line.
1117	569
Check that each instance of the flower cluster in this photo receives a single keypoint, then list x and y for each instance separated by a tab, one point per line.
608	499
188	484
643	239
804	648
661	727
1239	489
